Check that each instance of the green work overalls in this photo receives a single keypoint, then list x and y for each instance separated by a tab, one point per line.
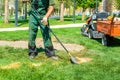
41	6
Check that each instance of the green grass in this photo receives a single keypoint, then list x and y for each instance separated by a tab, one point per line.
67	20
104	66
24	23
21	23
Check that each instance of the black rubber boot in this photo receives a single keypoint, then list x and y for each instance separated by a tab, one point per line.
32	51
50	52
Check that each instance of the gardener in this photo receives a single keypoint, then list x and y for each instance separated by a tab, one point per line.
44	9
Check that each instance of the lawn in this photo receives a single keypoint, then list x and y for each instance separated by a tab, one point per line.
53	21
105	64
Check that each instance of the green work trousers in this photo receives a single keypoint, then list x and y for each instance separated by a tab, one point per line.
34	24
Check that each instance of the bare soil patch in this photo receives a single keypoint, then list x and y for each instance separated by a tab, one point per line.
39	43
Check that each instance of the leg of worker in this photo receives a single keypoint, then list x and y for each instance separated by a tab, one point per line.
49	50
33	28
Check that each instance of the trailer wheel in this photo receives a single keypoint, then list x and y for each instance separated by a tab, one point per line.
90	33
105	40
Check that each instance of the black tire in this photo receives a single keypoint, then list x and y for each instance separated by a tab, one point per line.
105	40
90	33
82	30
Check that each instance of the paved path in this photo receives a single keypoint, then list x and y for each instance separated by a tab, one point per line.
55	26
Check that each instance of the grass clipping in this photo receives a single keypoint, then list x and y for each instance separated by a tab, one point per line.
14	65
83	60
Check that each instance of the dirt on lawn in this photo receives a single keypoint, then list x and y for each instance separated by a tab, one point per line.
39	44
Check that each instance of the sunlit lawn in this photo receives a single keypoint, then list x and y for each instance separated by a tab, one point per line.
105	64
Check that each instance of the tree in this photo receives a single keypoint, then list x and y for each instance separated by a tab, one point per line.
68	5
56	7
117	4
64	4
61	10
85	4
1	7
109	5
6	11
11	7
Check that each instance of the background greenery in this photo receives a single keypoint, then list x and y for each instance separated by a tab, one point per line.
53	21
104	66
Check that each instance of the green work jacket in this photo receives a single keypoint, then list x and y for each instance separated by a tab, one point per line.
41	6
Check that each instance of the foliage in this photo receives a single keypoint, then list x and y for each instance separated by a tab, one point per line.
87	3
117	4
1	6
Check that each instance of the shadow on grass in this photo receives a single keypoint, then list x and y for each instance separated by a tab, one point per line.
21	22
114	42
40	49
69	19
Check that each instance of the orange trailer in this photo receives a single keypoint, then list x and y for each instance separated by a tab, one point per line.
109	29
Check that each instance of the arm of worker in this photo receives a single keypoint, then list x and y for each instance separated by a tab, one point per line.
49	12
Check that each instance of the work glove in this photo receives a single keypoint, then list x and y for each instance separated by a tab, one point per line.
44	21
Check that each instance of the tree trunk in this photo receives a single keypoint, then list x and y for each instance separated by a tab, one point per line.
6	11
25	10
69	11
109	6
83	14
62	11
